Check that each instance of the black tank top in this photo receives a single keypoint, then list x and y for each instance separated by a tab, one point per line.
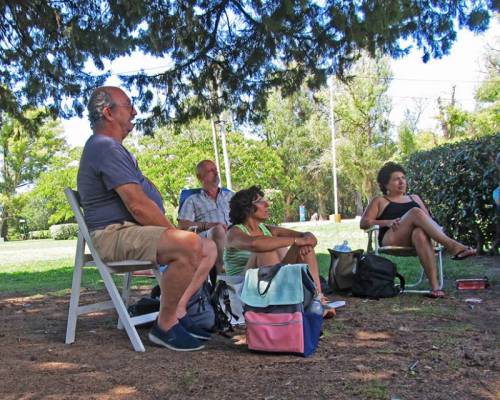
392	211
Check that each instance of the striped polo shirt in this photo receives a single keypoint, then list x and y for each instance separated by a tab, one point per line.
200	207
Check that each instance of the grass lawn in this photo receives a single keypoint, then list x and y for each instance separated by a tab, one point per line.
43	266
404	347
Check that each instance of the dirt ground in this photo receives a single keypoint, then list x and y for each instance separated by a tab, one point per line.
409	347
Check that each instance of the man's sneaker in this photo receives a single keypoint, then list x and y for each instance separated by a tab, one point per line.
176	338
194	330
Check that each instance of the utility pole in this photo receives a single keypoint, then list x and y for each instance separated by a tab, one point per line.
227	166
334	154
216	150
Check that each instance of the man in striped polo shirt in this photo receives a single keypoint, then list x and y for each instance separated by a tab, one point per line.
208	211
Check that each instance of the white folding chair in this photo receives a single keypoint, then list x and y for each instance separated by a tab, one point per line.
118	302
404	251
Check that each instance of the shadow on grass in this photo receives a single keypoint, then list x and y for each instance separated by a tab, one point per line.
56	281
56	277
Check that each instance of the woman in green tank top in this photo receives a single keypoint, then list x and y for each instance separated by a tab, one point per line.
252	243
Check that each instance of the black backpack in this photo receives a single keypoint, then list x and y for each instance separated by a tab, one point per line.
374	278
222	308
199	307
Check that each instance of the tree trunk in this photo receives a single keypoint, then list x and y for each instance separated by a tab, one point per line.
479	240
288	208
358	201
321	205
5	226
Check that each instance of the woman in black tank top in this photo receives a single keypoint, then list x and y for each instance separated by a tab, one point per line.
405	221
392	211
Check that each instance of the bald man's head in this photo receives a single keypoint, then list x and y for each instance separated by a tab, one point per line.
101	98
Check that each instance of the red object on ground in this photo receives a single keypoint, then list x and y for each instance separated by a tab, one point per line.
144	272
472	284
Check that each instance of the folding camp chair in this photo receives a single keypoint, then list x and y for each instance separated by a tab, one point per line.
183	196
118	302
404	251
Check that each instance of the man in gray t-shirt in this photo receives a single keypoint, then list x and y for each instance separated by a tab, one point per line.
108	159
208	210
124	212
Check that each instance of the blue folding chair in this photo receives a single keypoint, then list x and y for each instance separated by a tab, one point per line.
183	196
185	193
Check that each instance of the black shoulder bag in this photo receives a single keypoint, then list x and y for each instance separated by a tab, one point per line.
374	278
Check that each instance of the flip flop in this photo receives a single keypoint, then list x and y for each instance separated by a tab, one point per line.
436	294
463	254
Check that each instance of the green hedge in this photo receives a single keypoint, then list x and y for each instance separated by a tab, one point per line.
64	231
44	234
456	181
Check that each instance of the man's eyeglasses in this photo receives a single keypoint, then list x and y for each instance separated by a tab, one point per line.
129	106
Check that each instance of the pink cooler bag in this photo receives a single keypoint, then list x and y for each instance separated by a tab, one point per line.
275	299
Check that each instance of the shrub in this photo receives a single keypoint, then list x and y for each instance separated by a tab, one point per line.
456	181
277	207
63	231
45	234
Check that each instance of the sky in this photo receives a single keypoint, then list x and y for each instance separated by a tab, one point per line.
413	80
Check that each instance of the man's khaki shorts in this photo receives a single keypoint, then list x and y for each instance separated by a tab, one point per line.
127	241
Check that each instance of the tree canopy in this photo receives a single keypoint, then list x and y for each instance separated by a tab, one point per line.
222	52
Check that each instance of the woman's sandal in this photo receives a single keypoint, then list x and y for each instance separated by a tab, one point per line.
436	294
463	254
328	312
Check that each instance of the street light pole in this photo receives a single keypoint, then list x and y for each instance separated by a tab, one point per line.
216	150
227	166
334	154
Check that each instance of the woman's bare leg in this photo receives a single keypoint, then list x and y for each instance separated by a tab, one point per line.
291	256
425	252
265	258
416	218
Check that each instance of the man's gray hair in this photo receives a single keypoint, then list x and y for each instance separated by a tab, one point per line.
99	100
200	166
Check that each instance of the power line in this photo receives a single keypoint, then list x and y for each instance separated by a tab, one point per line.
160	67
432	98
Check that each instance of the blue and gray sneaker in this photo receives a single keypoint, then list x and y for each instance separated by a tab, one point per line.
194	330
176	338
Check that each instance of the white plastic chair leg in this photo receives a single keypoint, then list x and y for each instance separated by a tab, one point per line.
127	281
122	310
440	269
75	292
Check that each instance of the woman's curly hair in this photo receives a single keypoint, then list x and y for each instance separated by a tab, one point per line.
384	175
241	206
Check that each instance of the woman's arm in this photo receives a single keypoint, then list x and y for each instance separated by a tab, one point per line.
369	217
284	232
236	238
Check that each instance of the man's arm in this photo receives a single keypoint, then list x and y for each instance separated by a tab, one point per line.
187	216
200	226
143	209
186	224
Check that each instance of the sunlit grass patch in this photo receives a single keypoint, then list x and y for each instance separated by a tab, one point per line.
52	277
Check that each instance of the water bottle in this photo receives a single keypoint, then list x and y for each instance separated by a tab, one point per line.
343	248
315	307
